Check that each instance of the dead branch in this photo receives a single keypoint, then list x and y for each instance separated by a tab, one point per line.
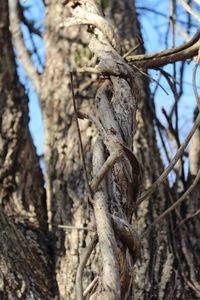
177	156
180	53
91	286
22	52
80	139
83	261
177	203
194	86
190	10
189	217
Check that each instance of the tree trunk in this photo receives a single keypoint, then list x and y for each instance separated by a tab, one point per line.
26	272
169	252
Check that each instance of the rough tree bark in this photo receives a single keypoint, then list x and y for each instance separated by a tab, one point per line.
26	271
169	252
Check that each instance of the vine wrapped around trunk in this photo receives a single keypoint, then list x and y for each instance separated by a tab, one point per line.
114	198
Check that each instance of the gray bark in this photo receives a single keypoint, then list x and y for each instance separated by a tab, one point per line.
26	270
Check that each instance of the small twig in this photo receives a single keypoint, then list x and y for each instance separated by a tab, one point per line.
88	69
170	126
177	156
166	74
79	137
190	10
194	40
151	78
189	217
173	136
194	81
173	206
91	286
29	24
68	227
159	59
83	261
132	50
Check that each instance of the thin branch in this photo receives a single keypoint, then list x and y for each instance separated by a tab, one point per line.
107	166
151	78
182	52
194	81
84	258
190	10
68	227
88	70
79	137
133	49
163	15
177	156
173	206
30	26
91	286
167	52
18	42
172	133
189	217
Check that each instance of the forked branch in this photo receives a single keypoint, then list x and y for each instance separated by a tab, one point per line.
158	59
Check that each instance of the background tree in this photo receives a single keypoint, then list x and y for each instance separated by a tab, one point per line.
117	118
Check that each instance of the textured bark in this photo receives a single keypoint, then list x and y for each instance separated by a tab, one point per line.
24	260
159	274
65	183
168	264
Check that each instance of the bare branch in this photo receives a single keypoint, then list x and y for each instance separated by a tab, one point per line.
84	258
133	49
190	10
164	175
21	49
189	217
79	137
173	206
91	286
182	52
151	78
194	81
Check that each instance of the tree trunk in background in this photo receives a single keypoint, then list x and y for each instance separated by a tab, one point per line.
169	253
65	181
26	272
